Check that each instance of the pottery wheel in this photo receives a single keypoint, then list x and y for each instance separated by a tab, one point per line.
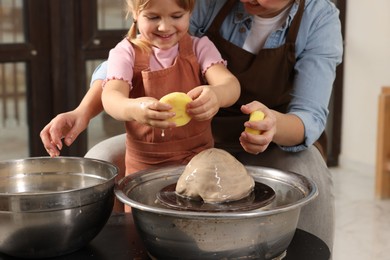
261	196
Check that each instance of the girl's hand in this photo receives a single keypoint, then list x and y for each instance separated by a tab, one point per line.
150	111
256	144
205	103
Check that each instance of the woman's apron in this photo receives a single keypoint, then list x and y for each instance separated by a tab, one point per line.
267	77
146	146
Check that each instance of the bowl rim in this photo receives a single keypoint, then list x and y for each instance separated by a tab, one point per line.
72	158
311	193
47	201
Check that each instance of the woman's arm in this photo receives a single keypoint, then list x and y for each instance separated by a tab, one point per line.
70	124
290	129
317	57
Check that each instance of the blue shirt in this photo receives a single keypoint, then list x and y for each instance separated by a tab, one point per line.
319	49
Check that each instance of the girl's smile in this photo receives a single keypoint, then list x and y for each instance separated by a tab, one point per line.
163	23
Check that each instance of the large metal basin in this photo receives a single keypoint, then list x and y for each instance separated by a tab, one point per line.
174	234
53	206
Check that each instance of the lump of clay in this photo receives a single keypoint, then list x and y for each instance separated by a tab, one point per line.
215	176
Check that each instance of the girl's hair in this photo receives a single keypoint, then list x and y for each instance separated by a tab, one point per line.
138	6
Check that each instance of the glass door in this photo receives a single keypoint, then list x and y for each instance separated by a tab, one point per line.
13	119
20	55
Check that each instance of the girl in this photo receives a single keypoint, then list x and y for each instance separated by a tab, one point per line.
162	59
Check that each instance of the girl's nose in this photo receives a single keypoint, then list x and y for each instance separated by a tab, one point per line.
163	25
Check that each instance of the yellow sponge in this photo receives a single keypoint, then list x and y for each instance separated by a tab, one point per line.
178	101
255	116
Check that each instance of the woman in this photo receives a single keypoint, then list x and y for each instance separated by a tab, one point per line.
284	53
288	65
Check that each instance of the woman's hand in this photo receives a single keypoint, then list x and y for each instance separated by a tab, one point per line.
256	144
65	126
70	124
205	103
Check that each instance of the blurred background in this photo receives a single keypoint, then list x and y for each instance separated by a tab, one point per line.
48	52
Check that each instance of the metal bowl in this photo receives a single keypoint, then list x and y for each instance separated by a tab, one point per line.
263	233
53	206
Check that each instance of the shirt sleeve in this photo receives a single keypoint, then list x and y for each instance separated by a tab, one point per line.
99	73
121	62
207	53
315	70
203	15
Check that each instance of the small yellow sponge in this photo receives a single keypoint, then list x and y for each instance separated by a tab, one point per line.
255	116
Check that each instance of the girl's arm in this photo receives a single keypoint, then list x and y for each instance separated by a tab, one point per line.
145	110
224	84
115	100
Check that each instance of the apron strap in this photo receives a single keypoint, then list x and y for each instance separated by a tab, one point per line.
185	46
141	59
294	28
217	23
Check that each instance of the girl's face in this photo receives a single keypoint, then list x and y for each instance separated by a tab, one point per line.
265	8
163	23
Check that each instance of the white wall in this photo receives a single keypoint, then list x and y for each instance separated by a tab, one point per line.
366	70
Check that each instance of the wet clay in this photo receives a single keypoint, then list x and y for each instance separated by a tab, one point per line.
215	176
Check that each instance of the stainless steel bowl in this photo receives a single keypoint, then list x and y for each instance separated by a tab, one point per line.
174	234
53	206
